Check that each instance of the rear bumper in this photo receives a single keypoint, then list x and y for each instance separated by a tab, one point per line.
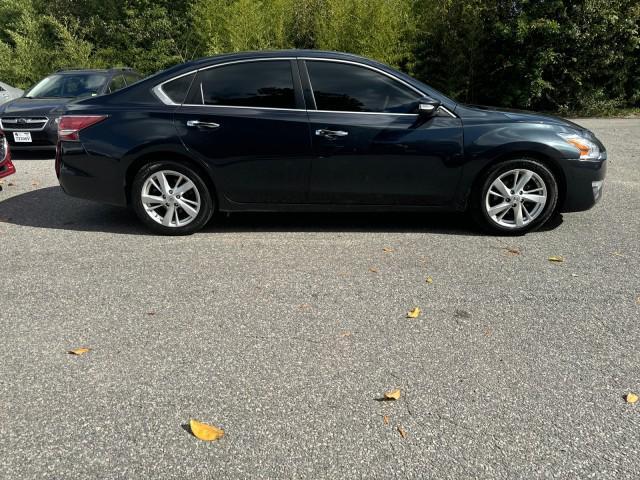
89	177
585	183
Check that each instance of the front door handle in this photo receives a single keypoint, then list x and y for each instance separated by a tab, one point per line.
199	124
331	134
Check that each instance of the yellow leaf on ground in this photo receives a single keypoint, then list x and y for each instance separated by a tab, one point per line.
513	251
373	270
78	351
631	398
388	250
429	280
385	419
415	313
345	334
556	259
392	394
402	432
205	432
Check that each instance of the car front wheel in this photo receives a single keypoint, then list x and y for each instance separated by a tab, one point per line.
515	197
171	198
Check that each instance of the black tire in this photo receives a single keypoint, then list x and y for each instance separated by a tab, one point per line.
201	189
478	205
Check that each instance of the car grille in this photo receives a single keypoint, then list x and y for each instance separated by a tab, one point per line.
23	124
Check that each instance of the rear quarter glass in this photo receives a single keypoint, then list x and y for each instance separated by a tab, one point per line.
177	89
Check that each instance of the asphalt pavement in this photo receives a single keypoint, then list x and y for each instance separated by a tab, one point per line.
286	330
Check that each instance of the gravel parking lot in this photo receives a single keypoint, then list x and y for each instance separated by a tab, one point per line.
285	331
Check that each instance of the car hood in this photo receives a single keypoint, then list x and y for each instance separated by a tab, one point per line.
507	114
32	106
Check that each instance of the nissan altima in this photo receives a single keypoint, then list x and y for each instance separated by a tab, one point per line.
318	131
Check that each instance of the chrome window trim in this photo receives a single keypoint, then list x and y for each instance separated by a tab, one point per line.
244	107
28	120
164	98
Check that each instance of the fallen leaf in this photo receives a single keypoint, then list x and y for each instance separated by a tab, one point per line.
35	184
392	394
415	313
345	334
557	259
487	332
617	254
513	251
205	432
11	184
638	300
78	351
388	249
631	398
151	313
385	419
402	432
304	306
429	280
373	270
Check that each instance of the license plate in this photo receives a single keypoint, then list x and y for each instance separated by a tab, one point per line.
22	137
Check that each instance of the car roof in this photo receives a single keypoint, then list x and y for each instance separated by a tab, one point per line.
276	54
95	70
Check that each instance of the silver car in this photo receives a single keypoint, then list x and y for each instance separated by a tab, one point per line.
7	92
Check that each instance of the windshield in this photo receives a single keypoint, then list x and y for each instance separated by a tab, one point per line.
68	86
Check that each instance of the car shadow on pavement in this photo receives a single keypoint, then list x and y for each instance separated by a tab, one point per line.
50	207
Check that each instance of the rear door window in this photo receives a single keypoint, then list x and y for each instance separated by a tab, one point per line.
248	84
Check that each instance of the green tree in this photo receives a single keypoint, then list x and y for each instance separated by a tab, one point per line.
380	29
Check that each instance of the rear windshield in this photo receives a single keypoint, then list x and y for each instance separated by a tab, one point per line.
68	86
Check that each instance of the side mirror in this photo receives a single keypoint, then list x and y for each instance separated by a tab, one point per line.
427	107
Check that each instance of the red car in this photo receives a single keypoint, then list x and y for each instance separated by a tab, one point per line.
6	167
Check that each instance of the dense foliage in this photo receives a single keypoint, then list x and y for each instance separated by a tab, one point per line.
559	55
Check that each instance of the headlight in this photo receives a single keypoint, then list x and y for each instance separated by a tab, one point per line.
588	149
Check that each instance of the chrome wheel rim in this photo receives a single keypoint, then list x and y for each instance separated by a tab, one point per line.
170	198
516	198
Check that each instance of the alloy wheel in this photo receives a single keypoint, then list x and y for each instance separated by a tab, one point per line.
170	198
516	198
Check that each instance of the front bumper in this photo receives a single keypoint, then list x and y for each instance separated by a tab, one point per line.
584	182
44	139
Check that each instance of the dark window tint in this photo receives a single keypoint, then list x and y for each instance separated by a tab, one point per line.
250	84
116	84
349	88
177	89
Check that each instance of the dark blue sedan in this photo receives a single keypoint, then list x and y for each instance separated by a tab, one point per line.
318	131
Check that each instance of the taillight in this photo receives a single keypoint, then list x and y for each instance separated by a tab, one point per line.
4	148
69	126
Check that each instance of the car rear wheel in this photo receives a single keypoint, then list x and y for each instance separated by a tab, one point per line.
171	198
515	197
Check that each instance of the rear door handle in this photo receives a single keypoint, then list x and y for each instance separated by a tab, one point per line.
199	124
331	133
